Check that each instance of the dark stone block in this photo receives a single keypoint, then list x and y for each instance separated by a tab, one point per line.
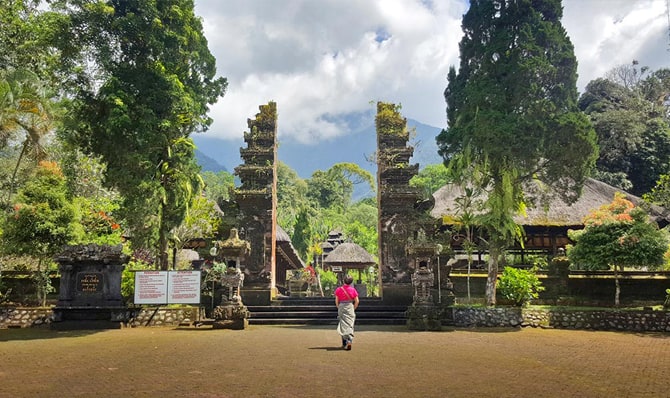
256	296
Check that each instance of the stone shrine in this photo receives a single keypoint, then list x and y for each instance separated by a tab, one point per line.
424	313
90	288
231	313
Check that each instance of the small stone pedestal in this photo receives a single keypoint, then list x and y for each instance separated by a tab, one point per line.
424	317
90	288
231	314
423	313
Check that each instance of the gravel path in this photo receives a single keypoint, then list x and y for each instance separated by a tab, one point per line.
276	361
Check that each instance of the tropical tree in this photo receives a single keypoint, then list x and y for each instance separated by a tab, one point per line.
42	222
25	115
202	221
512	113
629	111
466	224
145	83
335	186
96	221
660	194
303	233
218	185
322	191
360	224
347	176
29	80
291	198
430	179
618	235
26	38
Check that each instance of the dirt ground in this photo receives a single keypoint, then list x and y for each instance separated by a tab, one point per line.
386	361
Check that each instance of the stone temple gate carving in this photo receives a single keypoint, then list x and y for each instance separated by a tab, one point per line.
401	212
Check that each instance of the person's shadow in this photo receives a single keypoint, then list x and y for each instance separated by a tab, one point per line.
327	348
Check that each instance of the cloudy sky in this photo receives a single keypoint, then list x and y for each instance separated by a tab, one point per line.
322	58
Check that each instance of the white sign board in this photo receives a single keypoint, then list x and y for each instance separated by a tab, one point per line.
150	287
184	287
167	287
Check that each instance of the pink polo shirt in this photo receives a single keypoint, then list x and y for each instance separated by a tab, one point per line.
339	292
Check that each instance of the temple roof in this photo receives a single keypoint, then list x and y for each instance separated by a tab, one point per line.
349	255
556	212
286	250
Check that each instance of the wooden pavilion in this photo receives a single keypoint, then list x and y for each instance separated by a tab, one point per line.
547	223
347	256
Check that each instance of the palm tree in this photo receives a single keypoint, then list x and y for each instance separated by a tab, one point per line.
25	114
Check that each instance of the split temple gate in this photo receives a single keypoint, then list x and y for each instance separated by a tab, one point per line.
403	221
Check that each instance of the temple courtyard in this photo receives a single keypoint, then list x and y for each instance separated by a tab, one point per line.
306	361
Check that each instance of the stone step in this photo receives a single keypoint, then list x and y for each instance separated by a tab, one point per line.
322	311
323	321
324	314
327	308
293	301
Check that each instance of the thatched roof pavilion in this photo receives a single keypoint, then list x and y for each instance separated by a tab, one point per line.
546	225
349	256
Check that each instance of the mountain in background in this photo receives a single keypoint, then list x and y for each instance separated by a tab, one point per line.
356	147
207	163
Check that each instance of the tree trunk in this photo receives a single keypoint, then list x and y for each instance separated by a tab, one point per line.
12	180
617	288
492	277
162	241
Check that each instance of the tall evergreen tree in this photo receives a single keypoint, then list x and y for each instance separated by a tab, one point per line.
512	113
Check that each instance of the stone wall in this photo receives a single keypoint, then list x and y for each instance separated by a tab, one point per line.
622	320
25	317
580	290
148	316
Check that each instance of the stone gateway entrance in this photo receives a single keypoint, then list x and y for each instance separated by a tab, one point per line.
401	213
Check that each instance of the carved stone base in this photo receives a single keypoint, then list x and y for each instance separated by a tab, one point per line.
233	324
234	316
252	295
80	318
397	294
424	317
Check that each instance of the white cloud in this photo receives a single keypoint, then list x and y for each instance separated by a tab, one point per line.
318	59
607	33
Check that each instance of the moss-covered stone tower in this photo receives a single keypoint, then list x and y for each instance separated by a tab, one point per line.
257	201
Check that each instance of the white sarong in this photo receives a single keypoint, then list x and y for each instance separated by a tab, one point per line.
347	317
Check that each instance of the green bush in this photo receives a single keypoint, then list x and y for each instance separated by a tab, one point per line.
328	282
519	285
128	278
666	303
4	294
42	281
